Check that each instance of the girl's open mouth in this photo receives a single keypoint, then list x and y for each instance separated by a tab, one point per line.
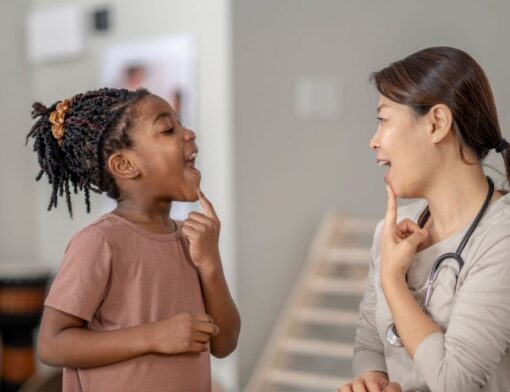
190	163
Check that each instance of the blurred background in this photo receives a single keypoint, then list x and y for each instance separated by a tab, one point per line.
279	95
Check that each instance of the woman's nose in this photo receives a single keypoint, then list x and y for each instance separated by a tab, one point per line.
374	143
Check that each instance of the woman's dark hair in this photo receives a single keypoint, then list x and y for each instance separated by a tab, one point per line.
449	76
95	125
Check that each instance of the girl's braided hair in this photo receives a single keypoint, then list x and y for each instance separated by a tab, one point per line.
74	138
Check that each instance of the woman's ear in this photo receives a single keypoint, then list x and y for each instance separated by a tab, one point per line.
441	119
122	166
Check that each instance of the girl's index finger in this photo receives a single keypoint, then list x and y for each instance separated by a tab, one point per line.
391	210
206	205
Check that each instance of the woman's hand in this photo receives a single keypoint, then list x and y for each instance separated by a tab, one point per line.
398	241
371	382
202	232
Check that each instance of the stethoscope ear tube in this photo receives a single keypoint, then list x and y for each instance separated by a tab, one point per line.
392	335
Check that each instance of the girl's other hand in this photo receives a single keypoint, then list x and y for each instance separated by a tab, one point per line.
203	231
369	382
181	333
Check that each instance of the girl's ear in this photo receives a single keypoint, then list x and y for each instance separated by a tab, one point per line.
122	166
441	118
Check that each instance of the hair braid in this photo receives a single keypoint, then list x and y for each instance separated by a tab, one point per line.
97	124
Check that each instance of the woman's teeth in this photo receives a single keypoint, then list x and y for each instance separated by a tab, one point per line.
384	163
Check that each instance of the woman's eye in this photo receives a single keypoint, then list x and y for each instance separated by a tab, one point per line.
169	131
380	120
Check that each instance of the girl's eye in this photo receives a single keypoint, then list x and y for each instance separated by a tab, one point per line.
169	131
380	120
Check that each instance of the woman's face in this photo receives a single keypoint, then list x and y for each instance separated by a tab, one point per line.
402	144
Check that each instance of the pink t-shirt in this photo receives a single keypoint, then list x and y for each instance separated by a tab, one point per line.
116	275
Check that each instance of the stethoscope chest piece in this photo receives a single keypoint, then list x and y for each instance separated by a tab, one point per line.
392	336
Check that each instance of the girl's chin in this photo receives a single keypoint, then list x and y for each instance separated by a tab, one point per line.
190	191
192	194
193	199
188	198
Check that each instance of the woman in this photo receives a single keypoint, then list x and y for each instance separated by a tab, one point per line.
437	122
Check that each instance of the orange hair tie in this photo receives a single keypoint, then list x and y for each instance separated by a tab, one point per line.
57	118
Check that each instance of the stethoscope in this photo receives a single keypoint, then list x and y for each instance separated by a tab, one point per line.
391	333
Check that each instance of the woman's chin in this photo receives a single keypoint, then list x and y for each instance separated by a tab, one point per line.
403	193
396	189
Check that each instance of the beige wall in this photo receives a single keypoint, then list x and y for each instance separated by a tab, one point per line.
289	172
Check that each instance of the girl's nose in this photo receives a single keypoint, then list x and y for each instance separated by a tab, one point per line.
190	135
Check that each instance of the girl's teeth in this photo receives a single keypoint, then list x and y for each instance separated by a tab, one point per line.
192	157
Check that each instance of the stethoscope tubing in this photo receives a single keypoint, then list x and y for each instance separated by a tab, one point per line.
391	333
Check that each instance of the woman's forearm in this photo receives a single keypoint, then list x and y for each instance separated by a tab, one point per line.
412	323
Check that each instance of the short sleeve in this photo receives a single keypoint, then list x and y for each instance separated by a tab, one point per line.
83	279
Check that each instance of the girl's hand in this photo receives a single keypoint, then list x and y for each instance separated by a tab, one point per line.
181	333
398	242
203	232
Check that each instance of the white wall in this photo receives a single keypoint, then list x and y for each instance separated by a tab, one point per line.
17	229
135	20
290	172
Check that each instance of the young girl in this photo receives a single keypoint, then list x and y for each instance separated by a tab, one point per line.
140	300
436	312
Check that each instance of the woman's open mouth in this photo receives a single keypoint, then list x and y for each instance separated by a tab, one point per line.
384	162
